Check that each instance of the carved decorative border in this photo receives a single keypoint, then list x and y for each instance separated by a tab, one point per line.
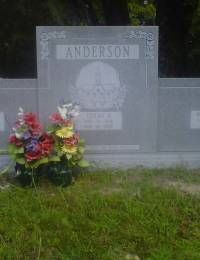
150	41
148	36
44	42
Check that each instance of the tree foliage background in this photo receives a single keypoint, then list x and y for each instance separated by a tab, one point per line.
179	22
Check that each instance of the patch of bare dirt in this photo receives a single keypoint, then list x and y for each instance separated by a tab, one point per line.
182	186
4	185
110	190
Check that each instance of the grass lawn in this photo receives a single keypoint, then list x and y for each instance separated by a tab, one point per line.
133	214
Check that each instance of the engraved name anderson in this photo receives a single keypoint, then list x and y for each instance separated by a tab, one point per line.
71	52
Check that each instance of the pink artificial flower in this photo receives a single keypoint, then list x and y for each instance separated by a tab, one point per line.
56	118
17	124
68	122
72	140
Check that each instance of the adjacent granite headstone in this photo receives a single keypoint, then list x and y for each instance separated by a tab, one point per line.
179	115
2	121
112	73
15	93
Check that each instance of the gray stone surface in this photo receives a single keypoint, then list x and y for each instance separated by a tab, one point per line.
18	83
112	73
179	115
152	160
121	161
179	82
4	162
129	116
13	94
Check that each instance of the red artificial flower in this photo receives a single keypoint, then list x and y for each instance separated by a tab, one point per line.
47	138
45	149
56	118
46	144
30	118
32	121
36	128
72	140
14	140
17	124
68	122
33	155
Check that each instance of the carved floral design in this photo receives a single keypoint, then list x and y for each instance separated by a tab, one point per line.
45	37
150	41
98	86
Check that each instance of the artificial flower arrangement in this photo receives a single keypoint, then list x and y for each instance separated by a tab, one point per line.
55	151
68	146
29	145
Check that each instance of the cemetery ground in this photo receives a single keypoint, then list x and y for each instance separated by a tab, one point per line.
106	214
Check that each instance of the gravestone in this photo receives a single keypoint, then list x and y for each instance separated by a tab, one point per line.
112	73
128	115
15	93
179	115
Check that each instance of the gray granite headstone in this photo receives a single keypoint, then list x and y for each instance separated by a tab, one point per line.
112	73
179	115
128	115
15	93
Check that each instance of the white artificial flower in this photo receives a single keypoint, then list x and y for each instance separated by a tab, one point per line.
62	111
68	105
68	111
75	111
18	172
77	108
21	110
18	135
21	115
